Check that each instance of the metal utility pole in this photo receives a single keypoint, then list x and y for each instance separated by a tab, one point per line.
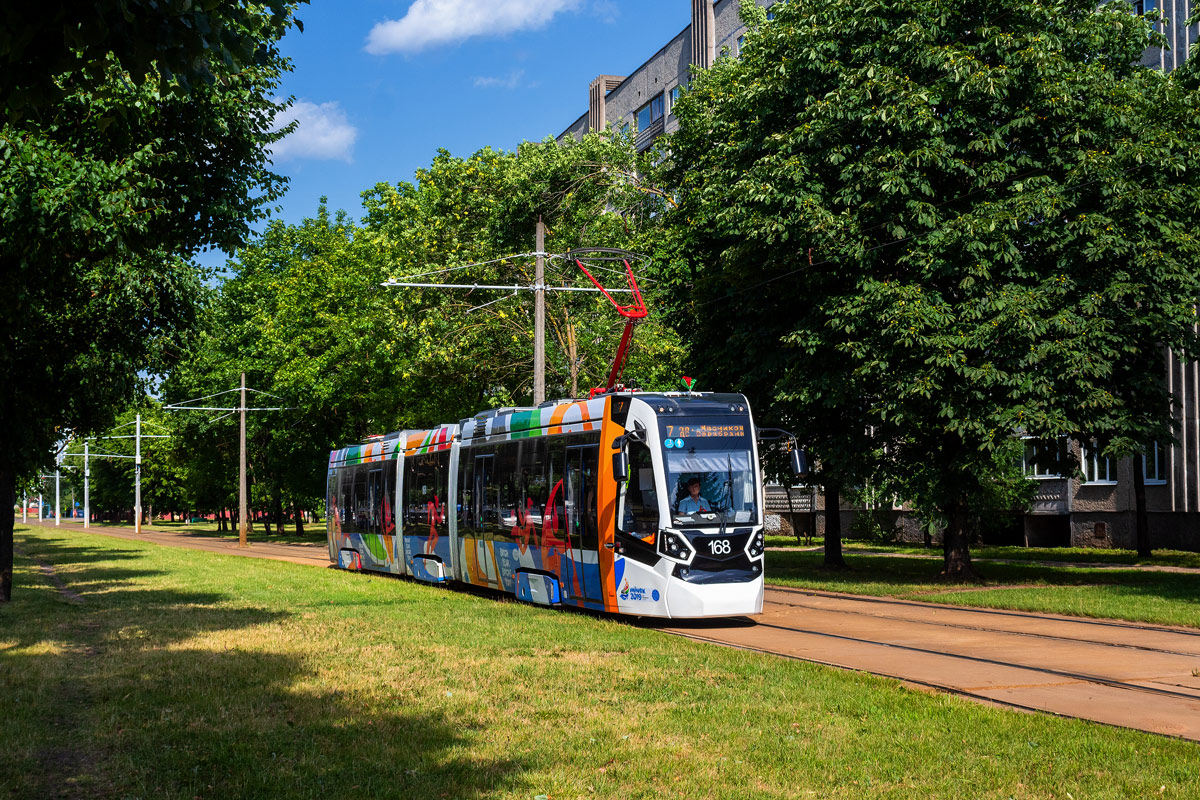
539	323
57	503
242	467
137	476
87	473
25	508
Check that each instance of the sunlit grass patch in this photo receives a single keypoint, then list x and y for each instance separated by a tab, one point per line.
192	674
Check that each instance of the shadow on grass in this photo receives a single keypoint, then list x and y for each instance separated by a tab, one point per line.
153	691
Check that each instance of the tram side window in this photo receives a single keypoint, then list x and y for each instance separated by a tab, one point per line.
504	485
362	500
554	510
346	499
466	494
534	481
388	516
640	512
332	517
425	494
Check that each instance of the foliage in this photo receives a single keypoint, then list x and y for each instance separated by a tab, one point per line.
303	315
998	201
47	53
110	188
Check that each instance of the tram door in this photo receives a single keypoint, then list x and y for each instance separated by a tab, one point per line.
486	517
582	527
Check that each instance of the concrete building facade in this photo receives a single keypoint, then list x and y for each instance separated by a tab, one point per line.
1095	508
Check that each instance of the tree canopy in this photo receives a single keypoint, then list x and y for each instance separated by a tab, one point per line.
943	225
115	171
303	315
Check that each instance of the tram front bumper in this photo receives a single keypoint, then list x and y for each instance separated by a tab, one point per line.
713	599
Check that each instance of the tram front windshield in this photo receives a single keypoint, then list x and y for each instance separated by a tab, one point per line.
710	474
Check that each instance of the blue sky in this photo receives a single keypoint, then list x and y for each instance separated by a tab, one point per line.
380	85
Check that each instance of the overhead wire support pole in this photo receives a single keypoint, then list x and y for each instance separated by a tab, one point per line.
539	319
137	478
240	410
242	466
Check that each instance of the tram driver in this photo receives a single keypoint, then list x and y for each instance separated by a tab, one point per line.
693	502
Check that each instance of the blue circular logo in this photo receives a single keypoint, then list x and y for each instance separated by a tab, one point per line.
654	595
669	443
679	443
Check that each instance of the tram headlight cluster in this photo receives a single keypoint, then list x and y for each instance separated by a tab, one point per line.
758	544
675	546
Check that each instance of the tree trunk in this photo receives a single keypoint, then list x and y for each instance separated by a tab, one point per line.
298	516
792	513
833	527
8	520
278	512
1139	502
956	548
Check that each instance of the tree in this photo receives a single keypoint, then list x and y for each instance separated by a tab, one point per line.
111	184
304	316
999	202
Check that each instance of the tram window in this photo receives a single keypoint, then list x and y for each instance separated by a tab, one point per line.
362	501
388	516
466	493
554	513
346	499
505	487
425	494
590	532
640	511
534	481
374	499
332	517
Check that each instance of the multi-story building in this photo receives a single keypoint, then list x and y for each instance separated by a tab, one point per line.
1092	509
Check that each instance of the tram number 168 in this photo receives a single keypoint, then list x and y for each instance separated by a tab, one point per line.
719	547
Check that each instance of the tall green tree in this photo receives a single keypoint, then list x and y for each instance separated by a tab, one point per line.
1000	204
112	180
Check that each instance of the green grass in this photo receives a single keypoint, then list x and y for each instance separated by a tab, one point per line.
1154	597
1074	555
194	675
313	534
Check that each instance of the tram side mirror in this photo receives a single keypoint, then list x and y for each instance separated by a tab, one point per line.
620	466
799	462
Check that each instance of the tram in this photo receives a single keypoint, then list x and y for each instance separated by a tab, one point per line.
648	504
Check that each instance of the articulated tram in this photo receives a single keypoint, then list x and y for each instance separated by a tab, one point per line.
630	502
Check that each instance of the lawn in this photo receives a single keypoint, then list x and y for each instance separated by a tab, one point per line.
183	674
1165	598
1069	555
313	534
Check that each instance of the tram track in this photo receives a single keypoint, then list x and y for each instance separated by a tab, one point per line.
1071	676
982	628
994	612
1113	672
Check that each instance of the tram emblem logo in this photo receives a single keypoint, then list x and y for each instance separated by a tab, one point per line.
633	592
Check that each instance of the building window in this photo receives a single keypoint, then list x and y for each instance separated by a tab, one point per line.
1142	6
1097	468
650	113
675	92
1044	459
1153	468
741	41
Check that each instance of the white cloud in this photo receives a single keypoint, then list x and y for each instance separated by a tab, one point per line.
323	133
433	22
512	81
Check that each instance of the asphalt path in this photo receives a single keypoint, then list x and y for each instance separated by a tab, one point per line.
1118	673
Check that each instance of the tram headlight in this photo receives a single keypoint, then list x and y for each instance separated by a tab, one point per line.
758	544
674	545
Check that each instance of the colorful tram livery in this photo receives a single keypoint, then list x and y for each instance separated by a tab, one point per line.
645	504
